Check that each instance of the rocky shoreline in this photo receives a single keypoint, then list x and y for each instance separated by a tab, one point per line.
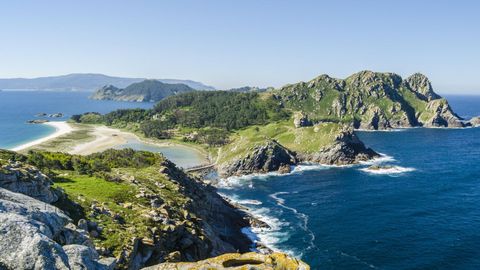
270	157
210	227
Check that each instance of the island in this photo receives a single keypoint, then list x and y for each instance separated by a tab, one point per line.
306	122
145	91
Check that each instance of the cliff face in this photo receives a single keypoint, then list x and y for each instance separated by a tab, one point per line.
28	180
371	100
270	156
126	215
146	91
347	149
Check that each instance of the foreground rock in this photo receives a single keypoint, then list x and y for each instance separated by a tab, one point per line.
36	235
28	180
235	261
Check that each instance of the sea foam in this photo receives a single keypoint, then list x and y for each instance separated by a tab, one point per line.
391	170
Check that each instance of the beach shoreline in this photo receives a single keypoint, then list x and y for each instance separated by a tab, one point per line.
61	128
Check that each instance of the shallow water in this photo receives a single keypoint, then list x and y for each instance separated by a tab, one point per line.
18	107
426	217
183	156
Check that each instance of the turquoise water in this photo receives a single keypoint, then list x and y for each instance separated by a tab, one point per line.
426	217
183	157
18	107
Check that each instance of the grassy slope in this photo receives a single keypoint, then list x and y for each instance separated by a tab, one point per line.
305	140
116	197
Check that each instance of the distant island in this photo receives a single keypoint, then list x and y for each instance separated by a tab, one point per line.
84	82
145	91
303	122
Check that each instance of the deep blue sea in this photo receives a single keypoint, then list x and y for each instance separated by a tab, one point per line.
425	215
18	107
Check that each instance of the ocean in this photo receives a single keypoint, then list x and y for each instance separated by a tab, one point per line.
423	214
17	107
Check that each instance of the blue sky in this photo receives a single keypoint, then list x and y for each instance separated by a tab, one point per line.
249	42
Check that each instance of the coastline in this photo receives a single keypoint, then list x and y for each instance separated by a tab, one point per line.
61	128
106	137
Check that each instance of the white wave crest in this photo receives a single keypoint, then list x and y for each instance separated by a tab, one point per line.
301	216
390	170
383	158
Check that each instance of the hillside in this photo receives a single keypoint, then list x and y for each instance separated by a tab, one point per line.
370	100
145	91
136	208
83	82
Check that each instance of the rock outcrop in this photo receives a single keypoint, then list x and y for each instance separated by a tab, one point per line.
347	149
43	236
267	157
300	119
236	261
443	116
421	85
475	121
28	180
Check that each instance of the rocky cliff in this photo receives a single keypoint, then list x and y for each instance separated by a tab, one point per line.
135	209
145	91
346	149
267	157
371	100
35	234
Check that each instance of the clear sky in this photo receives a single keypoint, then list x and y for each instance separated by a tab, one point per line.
246	42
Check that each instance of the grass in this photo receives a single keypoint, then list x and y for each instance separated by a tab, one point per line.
84	190
303	140
93	188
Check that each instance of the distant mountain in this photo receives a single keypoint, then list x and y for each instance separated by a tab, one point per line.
145	91
84	82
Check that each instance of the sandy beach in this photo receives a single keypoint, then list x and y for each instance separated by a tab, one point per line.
105	138
61	127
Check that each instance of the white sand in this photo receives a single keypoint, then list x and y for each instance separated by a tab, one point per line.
105	138
61	127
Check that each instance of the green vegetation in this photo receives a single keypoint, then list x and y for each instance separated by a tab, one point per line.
303	140
147	90
234	122
129	194
228	110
